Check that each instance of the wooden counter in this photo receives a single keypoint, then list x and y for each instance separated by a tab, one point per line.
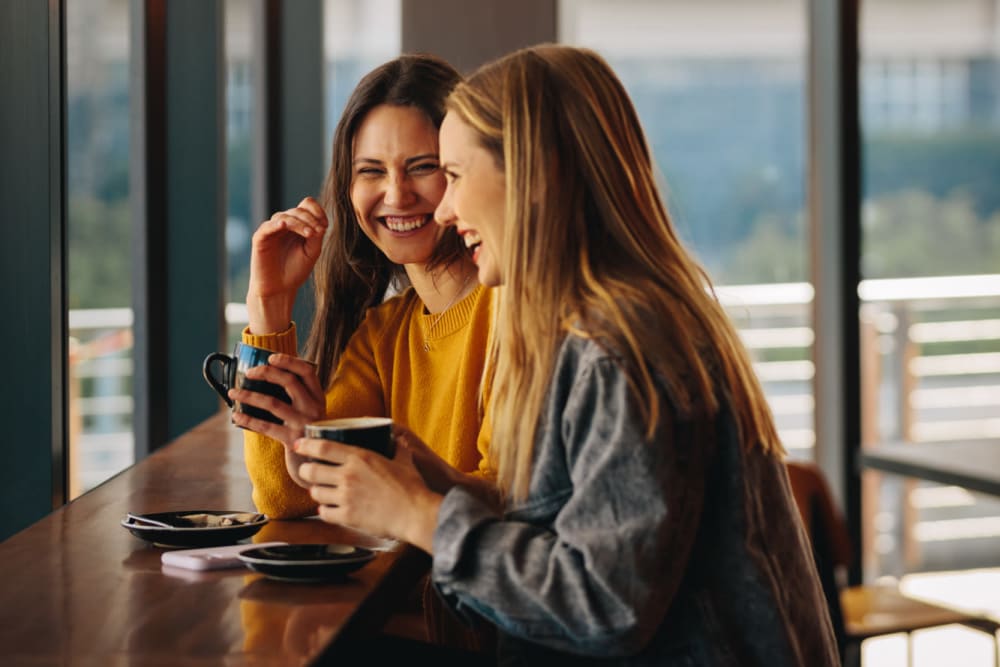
79	589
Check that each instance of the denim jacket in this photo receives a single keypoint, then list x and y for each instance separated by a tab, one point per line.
683	550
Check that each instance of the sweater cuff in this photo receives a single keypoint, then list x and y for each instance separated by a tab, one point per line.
284	341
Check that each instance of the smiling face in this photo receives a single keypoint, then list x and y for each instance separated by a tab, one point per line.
474	201
396	182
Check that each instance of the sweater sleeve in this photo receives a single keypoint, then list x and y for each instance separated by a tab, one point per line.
274	492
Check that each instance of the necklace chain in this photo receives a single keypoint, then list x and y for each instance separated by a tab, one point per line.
454	300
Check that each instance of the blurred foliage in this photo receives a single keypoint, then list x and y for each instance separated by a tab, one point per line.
942	165
99	268
912	233
730	150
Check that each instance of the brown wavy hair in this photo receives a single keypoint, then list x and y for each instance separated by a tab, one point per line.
589	249
352	274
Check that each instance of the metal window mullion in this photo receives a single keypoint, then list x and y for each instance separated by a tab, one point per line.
178	204
834	211
288	143
147	159
59	337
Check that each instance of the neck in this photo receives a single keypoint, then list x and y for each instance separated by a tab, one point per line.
443	287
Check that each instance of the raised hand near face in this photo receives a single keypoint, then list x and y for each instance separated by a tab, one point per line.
283	253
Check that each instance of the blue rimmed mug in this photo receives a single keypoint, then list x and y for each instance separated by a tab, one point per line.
233	375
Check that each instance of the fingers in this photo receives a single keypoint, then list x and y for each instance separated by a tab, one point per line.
308	213
325	451
313	206
308	220
304	370
308	401
279	432
407	438
324	494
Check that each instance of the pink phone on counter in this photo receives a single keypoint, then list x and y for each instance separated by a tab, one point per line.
211	558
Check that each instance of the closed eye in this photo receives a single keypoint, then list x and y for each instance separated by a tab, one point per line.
425	167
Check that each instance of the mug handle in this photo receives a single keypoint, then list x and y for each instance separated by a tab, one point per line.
206	370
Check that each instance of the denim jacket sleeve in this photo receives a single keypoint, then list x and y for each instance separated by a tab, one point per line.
589	562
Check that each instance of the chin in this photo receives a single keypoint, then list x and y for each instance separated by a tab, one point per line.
489	278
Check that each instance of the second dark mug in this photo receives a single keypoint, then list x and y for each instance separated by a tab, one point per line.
374	433
233	375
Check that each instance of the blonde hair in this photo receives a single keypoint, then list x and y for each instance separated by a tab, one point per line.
589	249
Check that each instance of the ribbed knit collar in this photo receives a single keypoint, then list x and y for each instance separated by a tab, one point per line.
452	319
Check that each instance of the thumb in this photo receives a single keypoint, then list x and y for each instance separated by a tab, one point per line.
403	436
404	455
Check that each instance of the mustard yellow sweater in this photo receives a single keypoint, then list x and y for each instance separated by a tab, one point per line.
386	371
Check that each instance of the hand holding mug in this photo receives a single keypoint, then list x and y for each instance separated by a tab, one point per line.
271	393
374	433
361	489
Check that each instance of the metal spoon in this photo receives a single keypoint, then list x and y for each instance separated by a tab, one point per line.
152	522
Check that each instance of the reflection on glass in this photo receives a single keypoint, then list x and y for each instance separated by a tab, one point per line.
98	242
720	89
930	103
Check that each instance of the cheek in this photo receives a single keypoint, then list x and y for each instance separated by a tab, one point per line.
362	200
432	189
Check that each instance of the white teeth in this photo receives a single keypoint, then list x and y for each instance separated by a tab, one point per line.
471	238
405	224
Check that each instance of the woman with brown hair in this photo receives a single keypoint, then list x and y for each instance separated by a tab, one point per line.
641	513
416	357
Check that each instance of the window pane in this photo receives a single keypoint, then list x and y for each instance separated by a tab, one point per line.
930	98
240	90
98	242
719	86
358	35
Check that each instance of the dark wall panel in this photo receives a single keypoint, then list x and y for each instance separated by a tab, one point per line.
467	34
32	479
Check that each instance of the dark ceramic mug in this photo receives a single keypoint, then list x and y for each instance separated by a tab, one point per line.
234	370
374	433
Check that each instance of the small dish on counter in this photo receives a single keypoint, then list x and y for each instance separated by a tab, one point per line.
306	562
194	528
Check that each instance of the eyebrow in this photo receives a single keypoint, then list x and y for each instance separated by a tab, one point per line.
408	161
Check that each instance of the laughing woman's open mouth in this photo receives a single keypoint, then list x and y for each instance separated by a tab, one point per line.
401	224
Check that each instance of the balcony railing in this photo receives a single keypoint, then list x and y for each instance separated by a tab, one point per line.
930	356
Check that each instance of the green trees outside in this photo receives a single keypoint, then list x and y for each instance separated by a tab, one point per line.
932	208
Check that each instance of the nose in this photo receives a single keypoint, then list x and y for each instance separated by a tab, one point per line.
399	190
444	214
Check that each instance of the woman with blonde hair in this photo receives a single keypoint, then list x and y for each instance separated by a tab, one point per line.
642	512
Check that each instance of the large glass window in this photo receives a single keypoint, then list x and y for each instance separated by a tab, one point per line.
98	242
930	103
720	89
